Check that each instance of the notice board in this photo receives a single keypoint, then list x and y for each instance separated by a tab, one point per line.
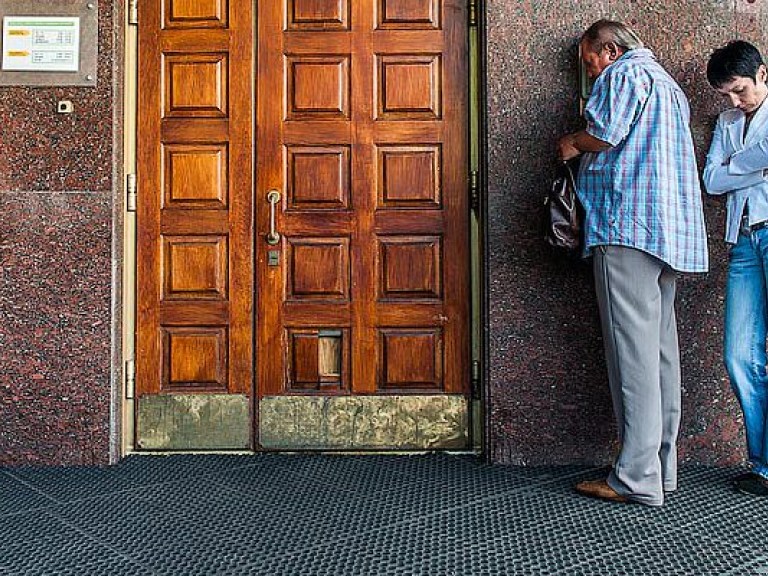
51	43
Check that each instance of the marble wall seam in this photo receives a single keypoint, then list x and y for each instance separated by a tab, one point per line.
72	192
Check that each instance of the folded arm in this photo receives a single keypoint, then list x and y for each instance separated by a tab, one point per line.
752	158
726	171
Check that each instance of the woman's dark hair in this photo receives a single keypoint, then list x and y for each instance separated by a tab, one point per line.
737	58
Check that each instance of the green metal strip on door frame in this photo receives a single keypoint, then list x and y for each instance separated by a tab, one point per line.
477	411
480	273
472	427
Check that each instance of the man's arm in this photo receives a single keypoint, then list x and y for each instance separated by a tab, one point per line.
573	145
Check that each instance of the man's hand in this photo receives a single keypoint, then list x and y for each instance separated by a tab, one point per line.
567	148
574	144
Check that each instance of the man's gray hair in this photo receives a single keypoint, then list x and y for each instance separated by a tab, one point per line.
611	31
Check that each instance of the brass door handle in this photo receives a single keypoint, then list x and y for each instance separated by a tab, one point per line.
273	237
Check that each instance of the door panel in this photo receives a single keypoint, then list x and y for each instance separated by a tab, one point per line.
194	214
361	127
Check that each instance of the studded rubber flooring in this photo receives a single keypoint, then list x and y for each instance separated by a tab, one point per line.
430	515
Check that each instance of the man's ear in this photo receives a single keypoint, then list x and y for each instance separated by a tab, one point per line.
613	50
762	74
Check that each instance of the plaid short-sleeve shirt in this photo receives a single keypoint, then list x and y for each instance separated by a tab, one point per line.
644	191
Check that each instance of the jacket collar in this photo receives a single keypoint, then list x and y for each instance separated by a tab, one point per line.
736	126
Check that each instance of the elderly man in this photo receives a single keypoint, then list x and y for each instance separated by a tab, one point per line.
737	166
639	186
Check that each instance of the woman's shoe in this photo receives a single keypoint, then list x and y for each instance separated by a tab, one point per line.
752	484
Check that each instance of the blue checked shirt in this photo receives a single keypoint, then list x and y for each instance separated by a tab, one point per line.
644	191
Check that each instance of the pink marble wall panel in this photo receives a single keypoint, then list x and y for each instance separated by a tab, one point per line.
54	328
56	198
548	394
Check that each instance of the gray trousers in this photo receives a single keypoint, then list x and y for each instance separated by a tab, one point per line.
636	298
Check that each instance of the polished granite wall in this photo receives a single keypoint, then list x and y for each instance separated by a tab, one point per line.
548	396
548	392
56	221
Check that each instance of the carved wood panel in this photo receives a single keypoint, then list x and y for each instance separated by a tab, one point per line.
194	358
409	87
196	14
410	267
318	177
318	360
317	15
409	176
318	268
195	267
410	359
409	14
318	87
196	85
195	176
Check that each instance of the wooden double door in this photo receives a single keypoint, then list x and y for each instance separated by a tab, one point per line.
302	221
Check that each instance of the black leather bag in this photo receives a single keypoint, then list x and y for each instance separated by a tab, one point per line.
563	214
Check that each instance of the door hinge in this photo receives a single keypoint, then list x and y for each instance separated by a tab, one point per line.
475	379
130	193
473	12
133	11
474	190
130	379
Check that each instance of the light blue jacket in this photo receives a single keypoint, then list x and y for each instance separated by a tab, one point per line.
741	177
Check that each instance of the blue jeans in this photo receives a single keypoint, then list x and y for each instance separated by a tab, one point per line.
746	325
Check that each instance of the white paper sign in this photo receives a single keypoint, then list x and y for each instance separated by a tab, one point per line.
41	43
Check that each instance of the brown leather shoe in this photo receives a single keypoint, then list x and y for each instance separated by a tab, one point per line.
599	489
